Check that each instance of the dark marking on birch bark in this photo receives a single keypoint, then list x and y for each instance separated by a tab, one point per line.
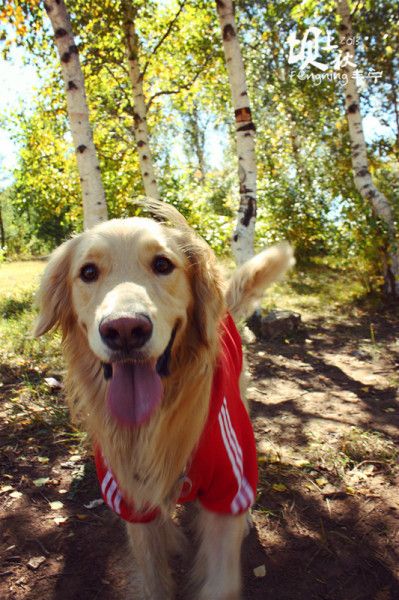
235	237
145	157
248	127
228	33
247	134
249	212
81	148
356	154
60	32
66	56
352	108
57	1
140	143
355	146
72	85
47	7
371	194
242	115
362	172
243	94
98	168
153	181
349	96
365	186
219	4
98	203
343	27
146	174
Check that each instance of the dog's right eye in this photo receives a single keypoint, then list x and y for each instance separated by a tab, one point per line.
162	265
89	273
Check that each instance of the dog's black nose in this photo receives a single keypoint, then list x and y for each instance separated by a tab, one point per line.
126	333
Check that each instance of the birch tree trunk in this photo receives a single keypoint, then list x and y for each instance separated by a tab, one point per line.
361	173
140	127
94	205
243	238
2	233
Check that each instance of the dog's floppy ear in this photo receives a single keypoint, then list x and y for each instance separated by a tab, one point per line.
206	285
248	283
53	297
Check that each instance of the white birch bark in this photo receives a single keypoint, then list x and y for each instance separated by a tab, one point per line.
94	205
360	164
243	237
140	127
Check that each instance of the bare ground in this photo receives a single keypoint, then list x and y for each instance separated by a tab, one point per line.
327	513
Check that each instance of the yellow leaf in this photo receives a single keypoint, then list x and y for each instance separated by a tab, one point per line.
321	481
16	494
279	487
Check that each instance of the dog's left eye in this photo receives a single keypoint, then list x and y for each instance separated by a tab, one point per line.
162	265
89	273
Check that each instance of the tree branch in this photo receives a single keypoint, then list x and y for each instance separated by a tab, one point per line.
123	92
185	86
163	37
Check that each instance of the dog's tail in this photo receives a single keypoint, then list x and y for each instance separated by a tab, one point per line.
248	283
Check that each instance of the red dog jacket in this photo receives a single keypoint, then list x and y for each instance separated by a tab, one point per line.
223	471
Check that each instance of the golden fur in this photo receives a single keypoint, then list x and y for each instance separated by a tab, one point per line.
147	461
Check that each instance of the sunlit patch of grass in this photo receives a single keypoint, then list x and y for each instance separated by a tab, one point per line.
20	349
18	284
353	448
316	291
28	404
367	446
20	275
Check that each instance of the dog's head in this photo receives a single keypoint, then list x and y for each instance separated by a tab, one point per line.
135	289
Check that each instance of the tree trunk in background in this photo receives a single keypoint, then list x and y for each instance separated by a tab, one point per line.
243	238
94	205
140	110
361	172
195	138
2	234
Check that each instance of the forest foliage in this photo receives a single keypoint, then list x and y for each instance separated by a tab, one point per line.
306	192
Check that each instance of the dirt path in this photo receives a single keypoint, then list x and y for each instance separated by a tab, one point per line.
327	513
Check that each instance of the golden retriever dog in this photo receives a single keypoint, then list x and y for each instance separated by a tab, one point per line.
153	372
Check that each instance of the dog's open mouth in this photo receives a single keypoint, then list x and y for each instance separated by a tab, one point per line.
135	387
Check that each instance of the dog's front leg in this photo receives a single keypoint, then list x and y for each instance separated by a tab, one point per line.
217	571
152	578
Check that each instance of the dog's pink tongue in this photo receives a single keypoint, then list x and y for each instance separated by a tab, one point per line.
134	392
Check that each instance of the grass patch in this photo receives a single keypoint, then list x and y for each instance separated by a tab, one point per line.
351	450
13	306
20	353
367	446
318	291
20	275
